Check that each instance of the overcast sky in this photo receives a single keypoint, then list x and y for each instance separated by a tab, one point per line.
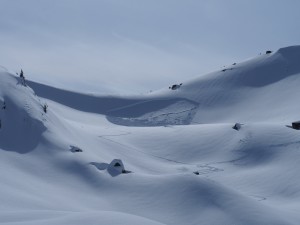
133	46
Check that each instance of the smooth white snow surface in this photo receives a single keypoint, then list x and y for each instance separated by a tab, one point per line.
250	176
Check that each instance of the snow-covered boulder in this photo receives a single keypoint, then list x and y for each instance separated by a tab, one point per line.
116	167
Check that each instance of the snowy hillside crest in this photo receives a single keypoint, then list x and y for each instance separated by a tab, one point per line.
22	120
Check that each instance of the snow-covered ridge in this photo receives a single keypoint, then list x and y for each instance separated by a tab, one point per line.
266	83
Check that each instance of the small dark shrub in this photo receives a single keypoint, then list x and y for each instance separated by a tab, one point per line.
45	108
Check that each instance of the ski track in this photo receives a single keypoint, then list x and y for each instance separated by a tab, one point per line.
205	169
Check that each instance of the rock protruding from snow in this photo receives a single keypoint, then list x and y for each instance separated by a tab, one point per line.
296	125
237	126
175	86
75	149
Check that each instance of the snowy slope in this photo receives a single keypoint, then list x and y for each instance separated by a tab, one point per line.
258	90
248	176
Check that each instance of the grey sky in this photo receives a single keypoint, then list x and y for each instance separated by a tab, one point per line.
133	46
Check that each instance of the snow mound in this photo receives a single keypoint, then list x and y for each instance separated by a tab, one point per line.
21	114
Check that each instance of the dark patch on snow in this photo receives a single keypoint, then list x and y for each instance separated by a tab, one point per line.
175	86
296	125
223	70
75	149
237	126
117	164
